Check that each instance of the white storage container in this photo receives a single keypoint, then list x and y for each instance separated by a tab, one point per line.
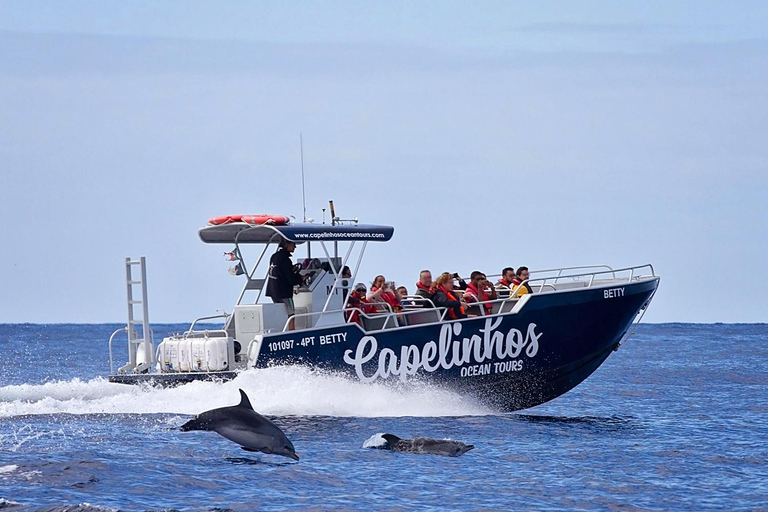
185	355
196	354
217	354
168	355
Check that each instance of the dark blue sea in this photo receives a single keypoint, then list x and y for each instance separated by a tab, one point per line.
677	419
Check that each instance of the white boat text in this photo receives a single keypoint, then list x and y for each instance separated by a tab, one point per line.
469	352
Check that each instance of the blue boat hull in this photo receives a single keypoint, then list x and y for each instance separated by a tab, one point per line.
509	361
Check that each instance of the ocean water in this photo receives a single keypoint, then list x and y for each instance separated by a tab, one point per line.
677	419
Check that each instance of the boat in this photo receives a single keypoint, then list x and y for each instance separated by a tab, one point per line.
521	352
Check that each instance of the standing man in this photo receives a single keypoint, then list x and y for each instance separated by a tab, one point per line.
282	278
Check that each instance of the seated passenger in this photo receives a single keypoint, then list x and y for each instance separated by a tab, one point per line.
357	302
443	296
520	281
479	289
423	288
403	291
507	276
383	292
462	284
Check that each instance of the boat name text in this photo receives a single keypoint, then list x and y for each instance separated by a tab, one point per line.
470	353
613	293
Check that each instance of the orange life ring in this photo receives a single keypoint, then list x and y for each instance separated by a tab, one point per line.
254	220
275	220
225	219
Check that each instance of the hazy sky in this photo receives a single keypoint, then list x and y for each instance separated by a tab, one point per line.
505	133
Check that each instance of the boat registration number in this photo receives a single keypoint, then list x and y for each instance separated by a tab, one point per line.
274	346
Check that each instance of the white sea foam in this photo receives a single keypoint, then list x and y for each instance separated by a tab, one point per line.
272	391
375	441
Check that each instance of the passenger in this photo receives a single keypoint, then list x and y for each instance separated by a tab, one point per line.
520	281
462	284
383	292
443	296
507	276
423	288
403	291
282	277
356	303
479	289
346	276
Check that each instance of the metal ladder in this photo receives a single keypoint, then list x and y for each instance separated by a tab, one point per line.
140	348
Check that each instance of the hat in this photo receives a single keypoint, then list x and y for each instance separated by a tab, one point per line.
360	286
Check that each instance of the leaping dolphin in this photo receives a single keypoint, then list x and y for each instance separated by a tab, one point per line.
241	424
417	445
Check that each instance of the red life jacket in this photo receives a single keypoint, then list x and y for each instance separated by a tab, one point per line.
361	303
503	282
389	298
422	287
479	296
451	313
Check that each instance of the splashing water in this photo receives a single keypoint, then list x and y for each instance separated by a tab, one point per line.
274	391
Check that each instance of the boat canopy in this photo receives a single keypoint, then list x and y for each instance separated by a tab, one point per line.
240	232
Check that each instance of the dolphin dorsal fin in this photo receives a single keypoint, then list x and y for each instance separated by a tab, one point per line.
244	402
391	438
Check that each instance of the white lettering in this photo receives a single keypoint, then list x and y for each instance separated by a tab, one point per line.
446	353
329	339
613	293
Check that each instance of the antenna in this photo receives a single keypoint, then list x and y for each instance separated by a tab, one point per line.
303	190
334	219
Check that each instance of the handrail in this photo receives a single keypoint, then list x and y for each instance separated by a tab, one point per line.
192	327
417	299
111	364
559	270
591	276
541	282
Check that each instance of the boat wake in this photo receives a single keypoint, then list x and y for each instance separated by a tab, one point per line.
278	391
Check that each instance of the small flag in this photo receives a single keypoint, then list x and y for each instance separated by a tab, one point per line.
233	256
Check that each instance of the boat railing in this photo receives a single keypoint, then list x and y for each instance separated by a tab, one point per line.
540	284
191	331
632	273
388	318
562	272
112	337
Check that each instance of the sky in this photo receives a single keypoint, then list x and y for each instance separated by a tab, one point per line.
499	134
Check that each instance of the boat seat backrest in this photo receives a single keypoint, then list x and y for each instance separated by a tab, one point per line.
423	316
377	322
502	307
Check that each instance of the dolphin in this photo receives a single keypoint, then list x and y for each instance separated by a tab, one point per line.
417	445
241	424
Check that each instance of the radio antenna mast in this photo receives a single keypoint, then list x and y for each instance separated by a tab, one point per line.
303	190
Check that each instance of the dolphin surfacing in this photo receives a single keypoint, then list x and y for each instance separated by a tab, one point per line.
244	426
420	445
